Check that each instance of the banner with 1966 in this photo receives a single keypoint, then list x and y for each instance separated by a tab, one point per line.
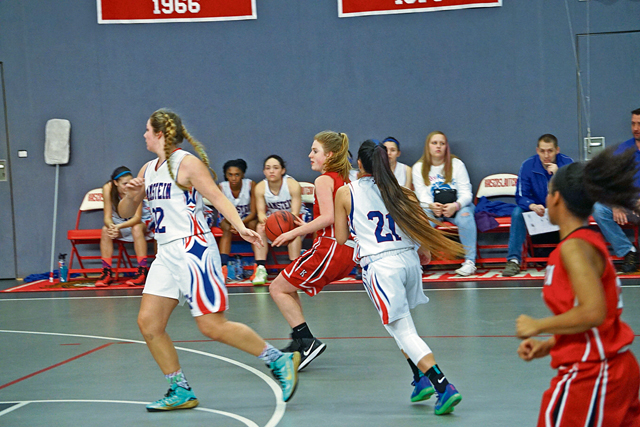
151	11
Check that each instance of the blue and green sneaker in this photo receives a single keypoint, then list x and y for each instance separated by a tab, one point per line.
447	400
285	370
423	389
176	398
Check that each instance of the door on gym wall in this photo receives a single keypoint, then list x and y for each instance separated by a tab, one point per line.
610	68
7	235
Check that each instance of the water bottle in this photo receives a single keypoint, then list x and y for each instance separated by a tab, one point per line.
62	268
231	269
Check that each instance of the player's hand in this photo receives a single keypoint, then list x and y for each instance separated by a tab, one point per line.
113	232
425	257
262	219
532	348
134	187
449	210
552	168
619	216
526	326
251	236
284	239
298	221
233	230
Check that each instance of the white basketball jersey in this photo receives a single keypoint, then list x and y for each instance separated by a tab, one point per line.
372	228
243	202
177	213
401	173
280	202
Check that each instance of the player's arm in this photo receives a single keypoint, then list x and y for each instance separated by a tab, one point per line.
133	196
107	210
252	206
409	183
296	196
135	219
584	265
194	173
261	205
324	194
342	210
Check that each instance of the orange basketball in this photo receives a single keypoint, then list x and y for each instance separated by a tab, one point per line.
279	222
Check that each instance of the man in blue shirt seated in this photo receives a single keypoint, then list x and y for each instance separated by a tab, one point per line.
610	219
531	193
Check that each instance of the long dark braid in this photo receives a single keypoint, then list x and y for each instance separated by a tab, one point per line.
403	205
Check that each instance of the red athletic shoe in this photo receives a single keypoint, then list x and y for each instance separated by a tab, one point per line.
139	278
105	279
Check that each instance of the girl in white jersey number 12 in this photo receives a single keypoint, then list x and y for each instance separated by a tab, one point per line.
387	225
187	265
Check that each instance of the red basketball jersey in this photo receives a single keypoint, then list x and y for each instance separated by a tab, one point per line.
337	183
596	344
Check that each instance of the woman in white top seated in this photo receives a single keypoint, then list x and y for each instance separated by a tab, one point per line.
278	191
401	171
239	191
442	184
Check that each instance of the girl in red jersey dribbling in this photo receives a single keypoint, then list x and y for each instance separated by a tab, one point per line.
326	261
598	377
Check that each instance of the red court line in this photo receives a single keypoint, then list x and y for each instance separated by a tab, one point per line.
56	365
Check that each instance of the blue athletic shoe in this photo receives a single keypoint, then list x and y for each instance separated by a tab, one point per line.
176	398
285	370
423	389
447	400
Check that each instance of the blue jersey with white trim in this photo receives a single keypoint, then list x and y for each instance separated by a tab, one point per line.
177	213
370	223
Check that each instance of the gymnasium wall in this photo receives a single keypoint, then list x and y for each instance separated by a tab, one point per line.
492	79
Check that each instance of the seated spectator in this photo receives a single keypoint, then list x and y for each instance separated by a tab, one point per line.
533	183
134	229
278	191
443	187
400	170
610	219
240	191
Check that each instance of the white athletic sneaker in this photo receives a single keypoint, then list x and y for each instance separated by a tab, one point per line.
467	268
260	276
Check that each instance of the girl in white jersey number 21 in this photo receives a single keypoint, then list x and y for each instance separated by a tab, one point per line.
187	265
388	225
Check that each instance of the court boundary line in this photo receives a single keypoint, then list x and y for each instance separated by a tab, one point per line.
279	411
23	403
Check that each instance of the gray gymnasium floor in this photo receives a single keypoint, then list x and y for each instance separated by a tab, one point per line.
77	359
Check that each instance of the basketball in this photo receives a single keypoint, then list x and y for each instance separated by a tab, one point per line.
279	222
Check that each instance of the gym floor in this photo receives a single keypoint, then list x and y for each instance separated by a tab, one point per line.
77	358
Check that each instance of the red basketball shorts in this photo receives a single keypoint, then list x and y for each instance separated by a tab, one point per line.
599	394
324	263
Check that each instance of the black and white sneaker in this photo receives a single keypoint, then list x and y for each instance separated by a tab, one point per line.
309	349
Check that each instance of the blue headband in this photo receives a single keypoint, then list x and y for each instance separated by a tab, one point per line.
392	139
120	174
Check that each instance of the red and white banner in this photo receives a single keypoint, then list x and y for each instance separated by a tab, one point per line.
152	11
349	8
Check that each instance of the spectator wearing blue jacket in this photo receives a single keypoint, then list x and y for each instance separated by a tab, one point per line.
610	219
533	183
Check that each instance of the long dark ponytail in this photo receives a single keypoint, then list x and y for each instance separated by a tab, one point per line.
607	178
403	205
